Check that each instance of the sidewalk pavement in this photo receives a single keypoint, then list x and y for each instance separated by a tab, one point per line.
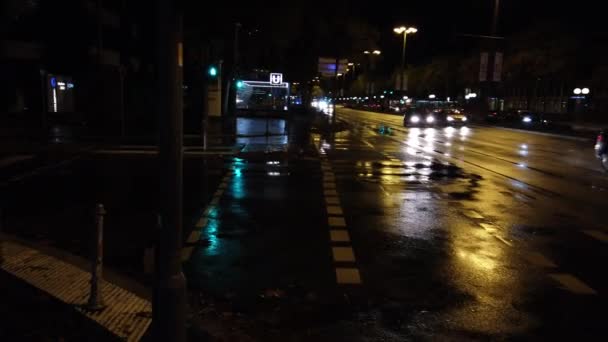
262	245
57	294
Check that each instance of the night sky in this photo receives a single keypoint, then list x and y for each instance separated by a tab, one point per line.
439	22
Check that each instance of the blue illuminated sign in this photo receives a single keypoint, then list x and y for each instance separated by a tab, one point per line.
53	82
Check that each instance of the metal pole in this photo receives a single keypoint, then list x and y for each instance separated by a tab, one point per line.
169	311
333	103
401	78
122	72
495	18
1	244
96	302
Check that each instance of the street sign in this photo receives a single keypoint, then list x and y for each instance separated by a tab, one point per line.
276	78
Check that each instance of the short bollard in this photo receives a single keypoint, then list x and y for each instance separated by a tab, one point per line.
96	302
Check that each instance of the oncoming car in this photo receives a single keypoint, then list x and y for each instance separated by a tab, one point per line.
452	117
416	117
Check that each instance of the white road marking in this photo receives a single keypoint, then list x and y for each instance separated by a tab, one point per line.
573	284
187	253
472	214
334	210
343	254
194	236
332	200
201	222
336	221
539	260
503	240
348	276
596	234
339	235
368	144
329	185
489	227
330	192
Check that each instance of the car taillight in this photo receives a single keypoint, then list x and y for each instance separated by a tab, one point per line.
600	138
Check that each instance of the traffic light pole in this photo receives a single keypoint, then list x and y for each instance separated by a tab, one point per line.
169	304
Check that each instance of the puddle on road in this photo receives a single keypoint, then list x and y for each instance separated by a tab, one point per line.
419	172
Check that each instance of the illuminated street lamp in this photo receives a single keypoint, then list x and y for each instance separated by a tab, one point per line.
370	54
405	31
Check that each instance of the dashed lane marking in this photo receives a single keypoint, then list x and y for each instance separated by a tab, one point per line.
339	235
334	210
329	185
539	260
503	240
343	254
187	252
201	222
330	192
489	227
336	222
572	284
194	236
332	200
597	235
472	214
368	144
348	276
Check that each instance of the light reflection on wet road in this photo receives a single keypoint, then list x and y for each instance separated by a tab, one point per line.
454	226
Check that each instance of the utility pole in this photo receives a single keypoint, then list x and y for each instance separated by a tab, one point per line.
495	17
169	305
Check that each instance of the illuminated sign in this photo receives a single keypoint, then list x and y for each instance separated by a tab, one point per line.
276	78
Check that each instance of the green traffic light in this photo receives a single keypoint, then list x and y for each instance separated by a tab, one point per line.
212	71
240	84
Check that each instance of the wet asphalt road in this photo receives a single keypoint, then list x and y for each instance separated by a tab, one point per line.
457	234
474	232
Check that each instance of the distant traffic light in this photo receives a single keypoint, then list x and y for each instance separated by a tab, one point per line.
212	71
240	84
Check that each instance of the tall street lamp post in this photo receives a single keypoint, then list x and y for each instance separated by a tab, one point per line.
370	54
405	31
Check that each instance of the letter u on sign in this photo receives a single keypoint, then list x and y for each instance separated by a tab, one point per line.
276	78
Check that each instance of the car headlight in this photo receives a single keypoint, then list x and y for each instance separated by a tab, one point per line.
527	119
464	118
415	119
430	119
450	118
